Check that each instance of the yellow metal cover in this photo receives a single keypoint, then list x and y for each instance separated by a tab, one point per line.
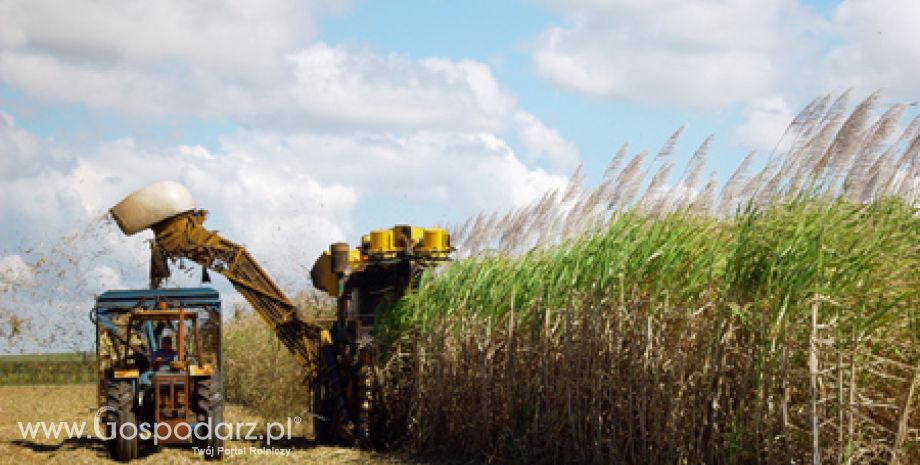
354	259
204	370
434	239
382	241
417	234
436	242
122	374
323	277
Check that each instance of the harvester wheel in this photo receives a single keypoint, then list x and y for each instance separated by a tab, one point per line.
372	409
380	434
322	415
209	403
120	398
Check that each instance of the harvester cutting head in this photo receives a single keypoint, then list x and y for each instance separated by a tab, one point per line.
400	247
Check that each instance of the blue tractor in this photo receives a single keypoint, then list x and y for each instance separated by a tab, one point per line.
159	369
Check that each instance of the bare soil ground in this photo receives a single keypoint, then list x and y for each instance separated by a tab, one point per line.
76	403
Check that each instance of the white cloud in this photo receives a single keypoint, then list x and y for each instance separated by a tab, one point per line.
541	141
285	196
708	53
337	85
153	59
470	171
764	123
267	202
767	57
255	63
699	53
879	46
238	37
19	148
258	66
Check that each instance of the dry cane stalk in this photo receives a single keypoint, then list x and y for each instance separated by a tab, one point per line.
905	416
851	402
840	400
813	369
784	386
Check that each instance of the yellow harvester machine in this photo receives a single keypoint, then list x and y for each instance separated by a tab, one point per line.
338	358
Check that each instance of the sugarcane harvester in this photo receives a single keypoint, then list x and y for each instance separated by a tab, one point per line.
339	360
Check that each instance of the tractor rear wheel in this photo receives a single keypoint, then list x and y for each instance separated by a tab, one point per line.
120	400
209	403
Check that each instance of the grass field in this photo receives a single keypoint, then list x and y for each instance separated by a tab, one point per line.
76	357
76	403
52	368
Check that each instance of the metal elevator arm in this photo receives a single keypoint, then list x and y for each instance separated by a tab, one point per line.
184	236
169	210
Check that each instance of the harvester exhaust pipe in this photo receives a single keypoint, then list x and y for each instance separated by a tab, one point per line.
339	252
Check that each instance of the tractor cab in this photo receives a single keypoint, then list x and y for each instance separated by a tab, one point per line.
158	355
169	372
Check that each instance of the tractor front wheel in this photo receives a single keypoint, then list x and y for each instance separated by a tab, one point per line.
120	400
209	403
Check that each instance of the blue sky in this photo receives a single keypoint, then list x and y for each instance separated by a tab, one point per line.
302	123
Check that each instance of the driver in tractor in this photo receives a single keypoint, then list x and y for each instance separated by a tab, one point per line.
165	354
